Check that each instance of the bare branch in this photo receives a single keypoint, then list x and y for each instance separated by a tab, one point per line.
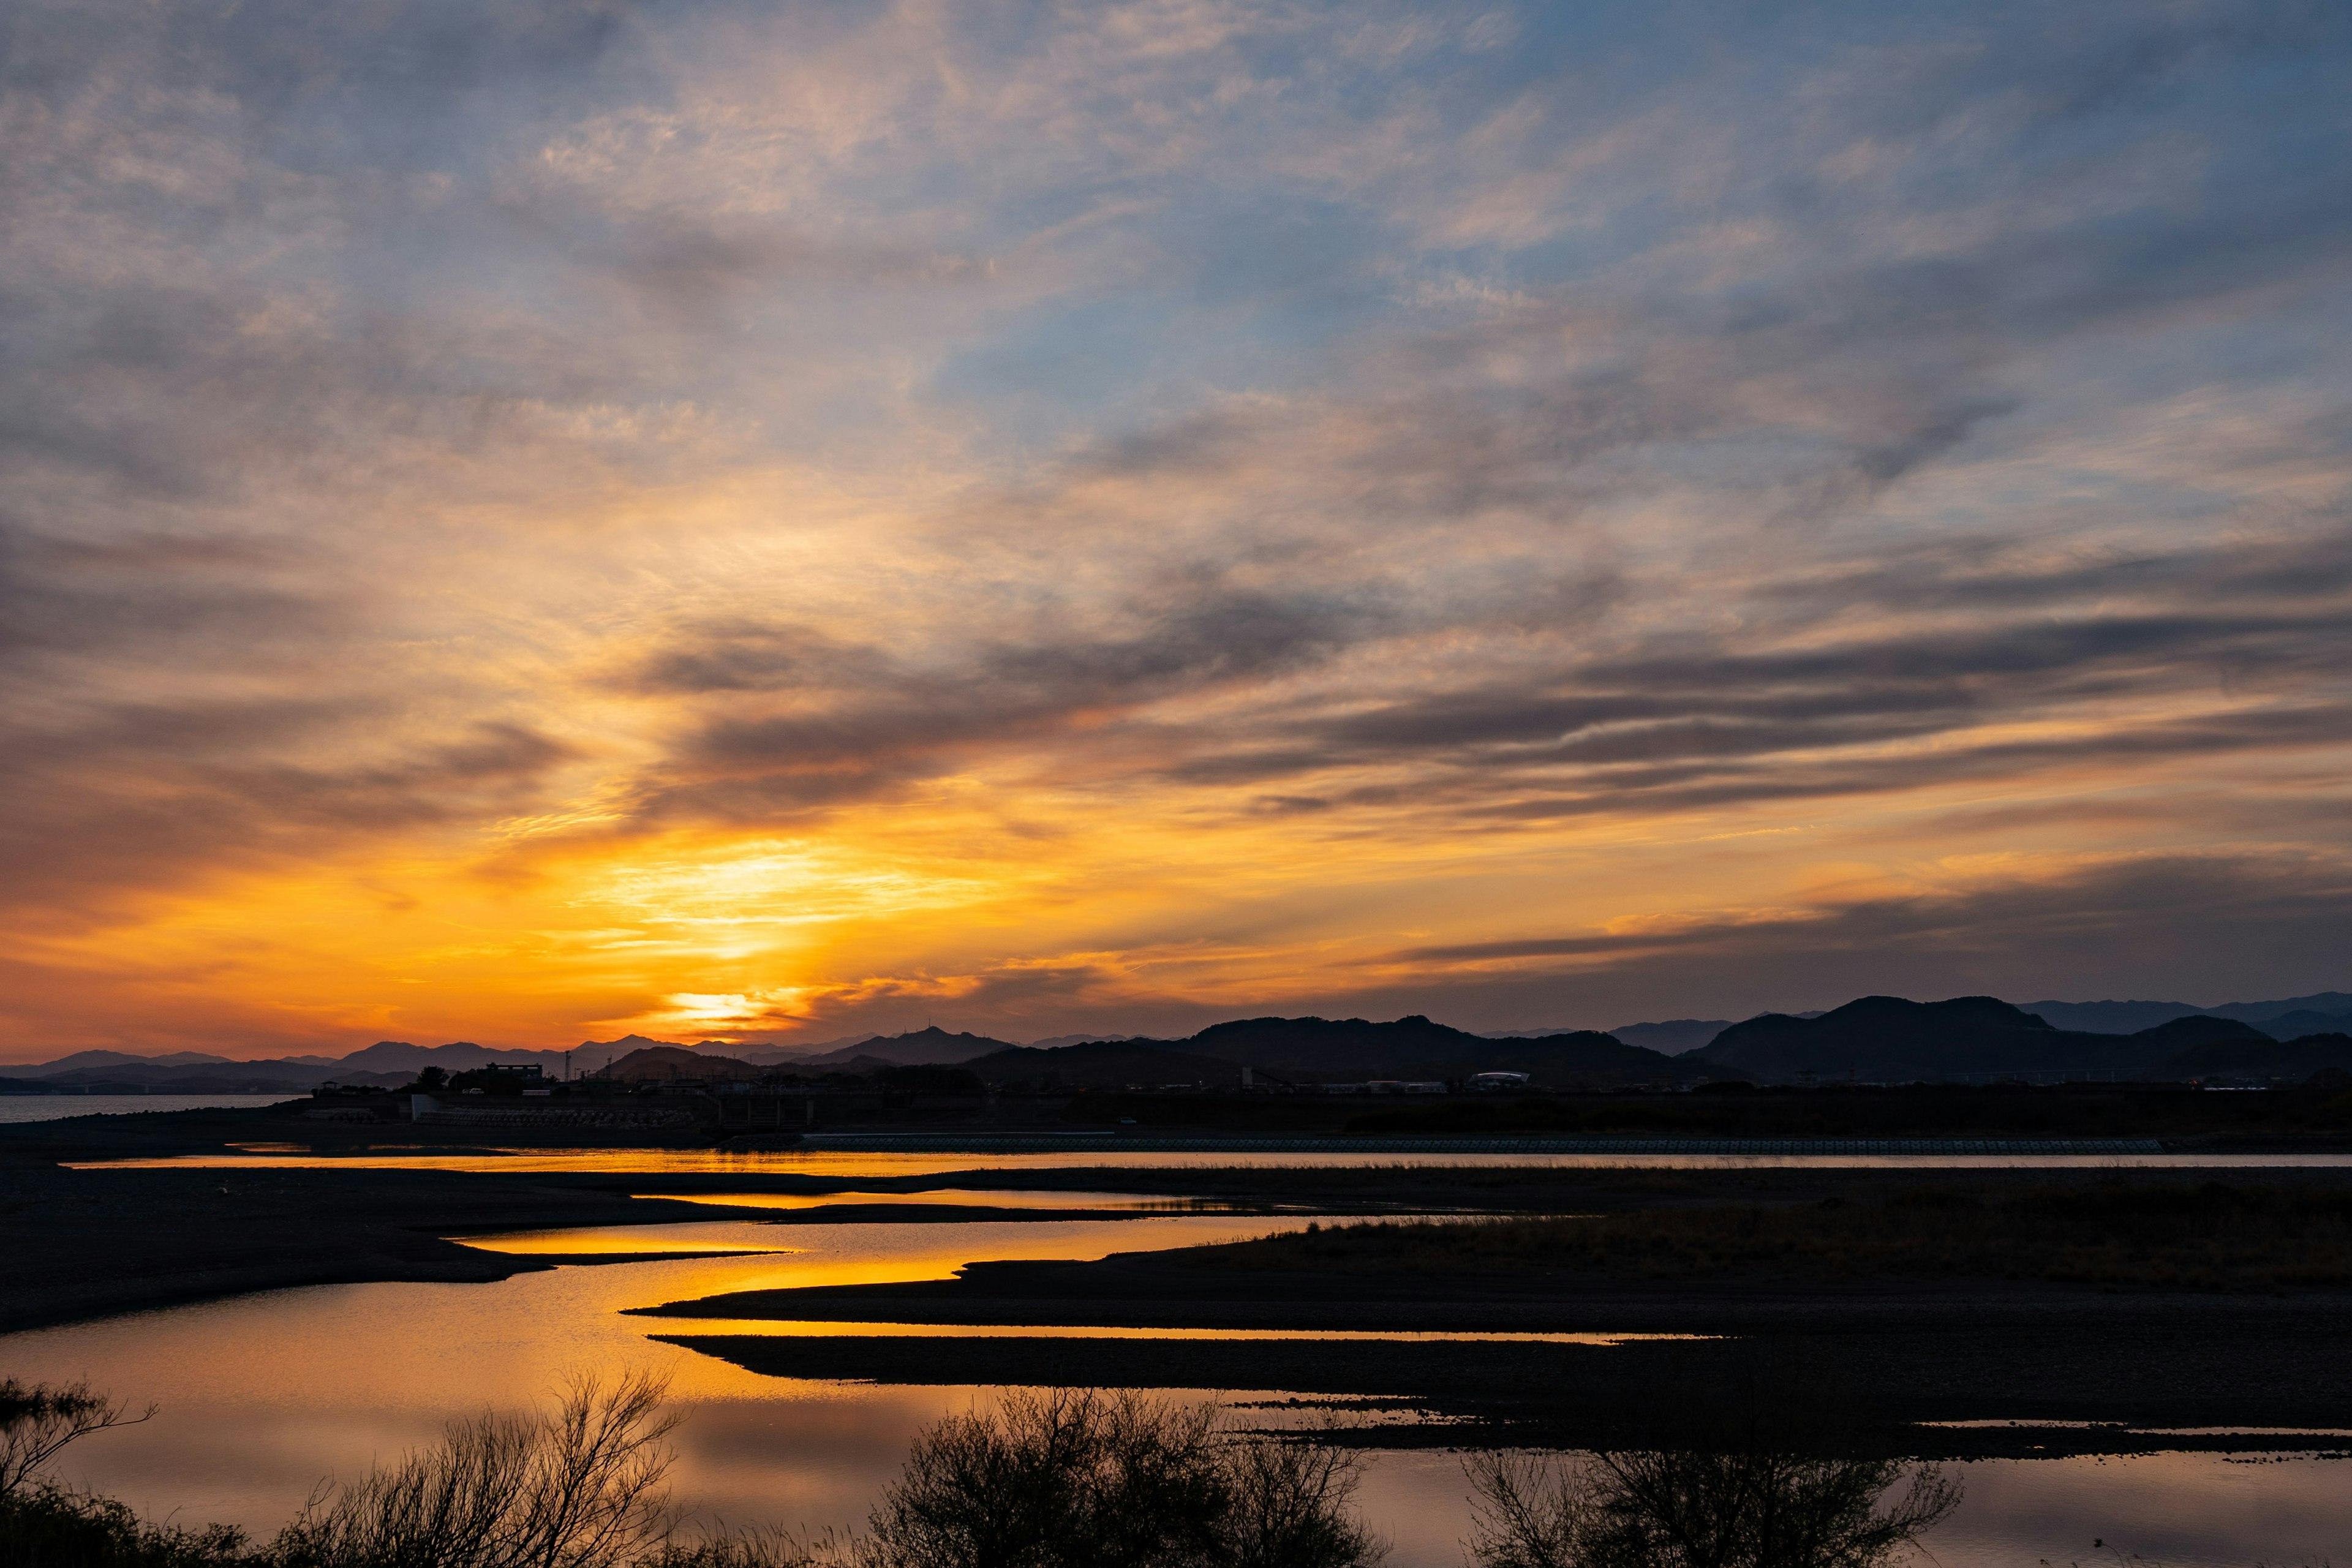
38	1421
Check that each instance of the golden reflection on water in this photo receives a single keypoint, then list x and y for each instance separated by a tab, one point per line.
883	1166
328	1357
617	1241
954	1197
871	1253
264	1395
812	1329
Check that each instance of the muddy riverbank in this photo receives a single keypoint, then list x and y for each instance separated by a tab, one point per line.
2144	1306
2084	1369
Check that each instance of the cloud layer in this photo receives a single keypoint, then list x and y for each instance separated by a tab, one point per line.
715	518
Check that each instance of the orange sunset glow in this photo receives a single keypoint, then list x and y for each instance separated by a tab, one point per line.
768	526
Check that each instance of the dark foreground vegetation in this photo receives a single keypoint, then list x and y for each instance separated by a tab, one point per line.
1682	1508
1057	1479
2208	1237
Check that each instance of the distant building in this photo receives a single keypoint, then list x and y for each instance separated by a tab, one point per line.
1493	1082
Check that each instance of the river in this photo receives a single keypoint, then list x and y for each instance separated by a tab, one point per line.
876	1166
262	1396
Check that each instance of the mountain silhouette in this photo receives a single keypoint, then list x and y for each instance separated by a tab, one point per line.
669	1064
1673	1035
2293	1059
2282	1019
1324	1051
1871	1038
1408	1047
399	1055
1882	1040
932	1047
2303	1021
81	1060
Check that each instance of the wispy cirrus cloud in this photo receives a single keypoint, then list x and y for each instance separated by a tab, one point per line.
1237	480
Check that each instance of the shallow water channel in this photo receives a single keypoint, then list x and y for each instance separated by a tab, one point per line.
876	1166
261	1396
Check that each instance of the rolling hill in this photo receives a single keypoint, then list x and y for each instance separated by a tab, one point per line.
923	1047
2282	1019
669	1063
1888	1039
1326	1050
1872	1039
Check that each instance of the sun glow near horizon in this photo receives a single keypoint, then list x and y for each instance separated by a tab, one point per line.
692	526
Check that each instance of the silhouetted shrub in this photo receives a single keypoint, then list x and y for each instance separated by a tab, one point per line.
1743	1508
44	1526
580	1488
1080	1478
36	1421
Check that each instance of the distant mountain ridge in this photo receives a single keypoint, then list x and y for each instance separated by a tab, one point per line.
932	1047
1669	1036
81	1060
1674	1036
1410	1045
2282	1019
667	1064
1891	1039
800	1050
2286	1018
1321	1050
387	1063
1888	1039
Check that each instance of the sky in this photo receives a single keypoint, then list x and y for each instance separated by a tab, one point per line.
774	522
